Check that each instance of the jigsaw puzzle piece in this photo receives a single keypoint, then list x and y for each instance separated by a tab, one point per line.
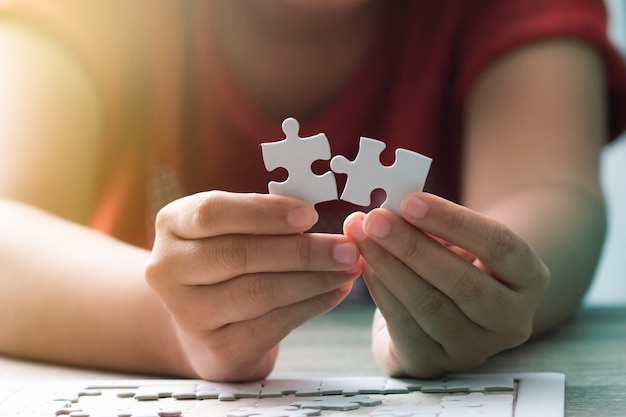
338	403
366	174
296	155
362	172
350	386
228	391
408	410
280	411
302	387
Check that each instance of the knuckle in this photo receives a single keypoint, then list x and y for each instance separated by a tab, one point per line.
161	266
230	255
256	292
159	263
413	249
260	290
456	221
430	302
206	213
541	276
209	212
233	254
500	299
502	244
302	248
153	272
469	287
163	219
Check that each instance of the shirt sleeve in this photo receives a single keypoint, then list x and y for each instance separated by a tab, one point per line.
495	27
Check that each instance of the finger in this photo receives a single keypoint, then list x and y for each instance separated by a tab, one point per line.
228	358
272	327
251	296
213	260
468	256
409	338
480	297
498	248
432	309
217	213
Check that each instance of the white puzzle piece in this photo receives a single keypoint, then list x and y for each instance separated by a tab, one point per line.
296	155
351	386
301	388
280	411
338	402
366	174
407	410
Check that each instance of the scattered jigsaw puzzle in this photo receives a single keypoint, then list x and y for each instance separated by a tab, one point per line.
495	395
365	174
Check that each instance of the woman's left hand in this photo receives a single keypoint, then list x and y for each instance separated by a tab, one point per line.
452	286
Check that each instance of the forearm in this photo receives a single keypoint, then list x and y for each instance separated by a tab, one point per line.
537	120
72	295
565	224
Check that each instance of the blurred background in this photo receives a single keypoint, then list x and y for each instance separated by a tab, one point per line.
609	287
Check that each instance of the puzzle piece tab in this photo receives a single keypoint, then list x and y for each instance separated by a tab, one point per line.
366	174
296	155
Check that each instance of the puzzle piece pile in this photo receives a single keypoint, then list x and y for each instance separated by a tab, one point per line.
365	174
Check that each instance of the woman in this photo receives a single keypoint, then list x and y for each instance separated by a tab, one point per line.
111	112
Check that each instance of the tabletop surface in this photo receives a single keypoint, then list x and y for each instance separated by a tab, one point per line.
590	350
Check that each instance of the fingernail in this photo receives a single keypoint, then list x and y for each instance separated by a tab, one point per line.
345	253
355	230
377	225
301	217
416	208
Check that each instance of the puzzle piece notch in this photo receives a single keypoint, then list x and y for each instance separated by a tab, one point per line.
296	155
366	174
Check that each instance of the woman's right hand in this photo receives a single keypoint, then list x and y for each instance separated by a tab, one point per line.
237	273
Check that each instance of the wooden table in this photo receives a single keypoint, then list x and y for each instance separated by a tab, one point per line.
590	350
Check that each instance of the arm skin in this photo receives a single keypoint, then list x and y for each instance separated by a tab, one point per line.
549	102
517	259
225	267
66	292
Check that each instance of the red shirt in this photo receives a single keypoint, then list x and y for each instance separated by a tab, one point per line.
172	103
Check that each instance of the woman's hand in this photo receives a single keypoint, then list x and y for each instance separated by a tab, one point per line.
237	274
452	286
